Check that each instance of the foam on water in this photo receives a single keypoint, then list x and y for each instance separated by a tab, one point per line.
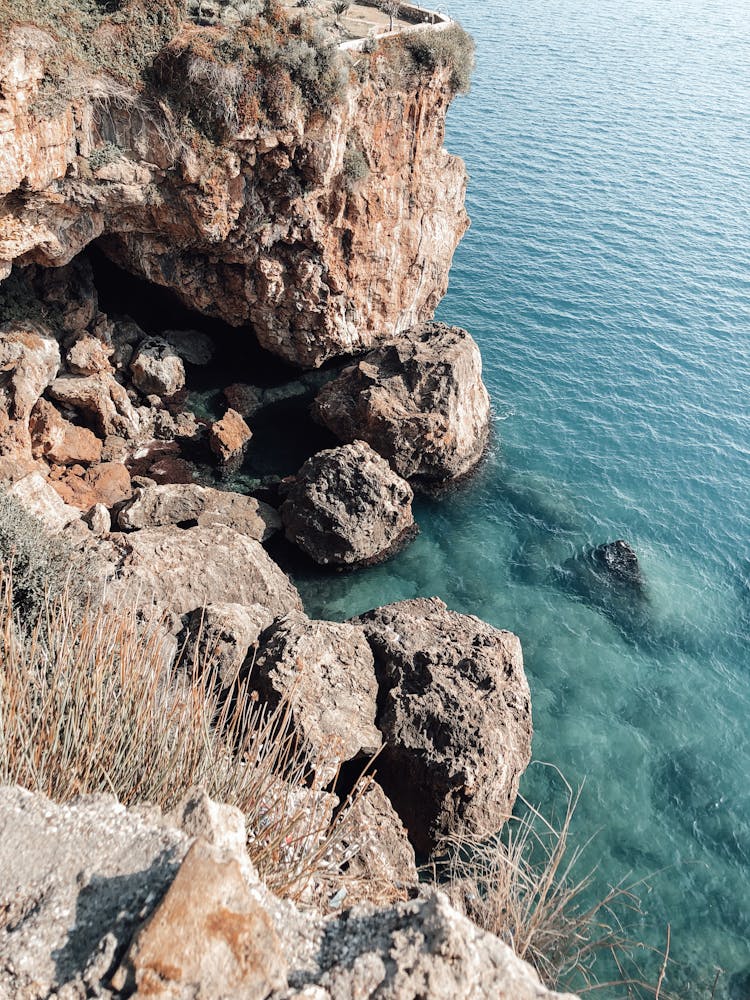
607	279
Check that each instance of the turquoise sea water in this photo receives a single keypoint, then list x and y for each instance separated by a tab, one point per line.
606	278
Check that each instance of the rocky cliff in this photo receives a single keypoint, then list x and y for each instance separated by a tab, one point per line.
324	227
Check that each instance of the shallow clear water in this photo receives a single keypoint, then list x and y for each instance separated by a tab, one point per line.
607	279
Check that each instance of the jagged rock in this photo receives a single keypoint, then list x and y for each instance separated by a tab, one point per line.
455	713
156	506
89	356
69	876
77	880
192	346
346	506
98	519
59	441
157	368
103	400
107	484
326	670
29	361
228	439
383	859
221	636
419	402
208	937
412	951
37	495
185	570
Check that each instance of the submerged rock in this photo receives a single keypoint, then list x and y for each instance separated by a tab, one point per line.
346	506
419	402
455	712
619	561
326	670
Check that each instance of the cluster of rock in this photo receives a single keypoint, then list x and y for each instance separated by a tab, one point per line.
102	901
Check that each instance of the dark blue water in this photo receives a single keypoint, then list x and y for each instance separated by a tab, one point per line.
606	278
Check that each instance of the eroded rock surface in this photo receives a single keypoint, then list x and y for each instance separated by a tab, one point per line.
326	671
222	636
455	713
185	570
185	504
346	506
419	402
157	368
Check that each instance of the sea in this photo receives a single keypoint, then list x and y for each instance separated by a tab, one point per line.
606	278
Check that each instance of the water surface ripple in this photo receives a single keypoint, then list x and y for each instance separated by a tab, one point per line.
606	277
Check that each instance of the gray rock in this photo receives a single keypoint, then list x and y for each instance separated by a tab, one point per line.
412	951
70	875
346	506
39	498
157	368
193	346
382	860
420	402
455	714
98	519
185	570
220	637
188	503
327	672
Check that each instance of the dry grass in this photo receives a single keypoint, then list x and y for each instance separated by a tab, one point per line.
525	887
92	704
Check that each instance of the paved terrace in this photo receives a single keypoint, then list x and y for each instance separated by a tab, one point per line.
367	20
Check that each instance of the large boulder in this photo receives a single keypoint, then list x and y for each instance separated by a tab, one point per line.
185	570
326	671
419	401
58	441
107	483
157	368
220	637
346	506
103	400
38	497
29	361
175	503
455	714
97	897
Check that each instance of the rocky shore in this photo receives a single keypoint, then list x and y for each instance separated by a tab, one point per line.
267	226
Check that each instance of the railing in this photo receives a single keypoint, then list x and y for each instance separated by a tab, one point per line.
416	17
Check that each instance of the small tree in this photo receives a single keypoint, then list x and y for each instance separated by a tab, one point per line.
392	8
340	7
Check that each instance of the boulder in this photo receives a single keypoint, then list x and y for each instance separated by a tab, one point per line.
58	441
103	400
619	561
157	368
382	859
185	570
208	937
89	356
192	346
98	519
220	636
455	713
419	402
37	495
157	506
29	361
106	484
326	671
346	506
228	439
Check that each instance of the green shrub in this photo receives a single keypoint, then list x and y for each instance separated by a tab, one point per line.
452	48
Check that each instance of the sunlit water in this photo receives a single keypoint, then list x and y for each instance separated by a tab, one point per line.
606	278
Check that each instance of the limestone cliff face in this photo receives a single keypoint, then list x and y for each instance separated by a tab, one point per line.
323	236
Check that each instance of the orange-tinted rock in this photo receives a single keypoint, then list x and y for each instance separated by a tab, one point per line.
106	484
57	440
89	356
207	938
229	438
